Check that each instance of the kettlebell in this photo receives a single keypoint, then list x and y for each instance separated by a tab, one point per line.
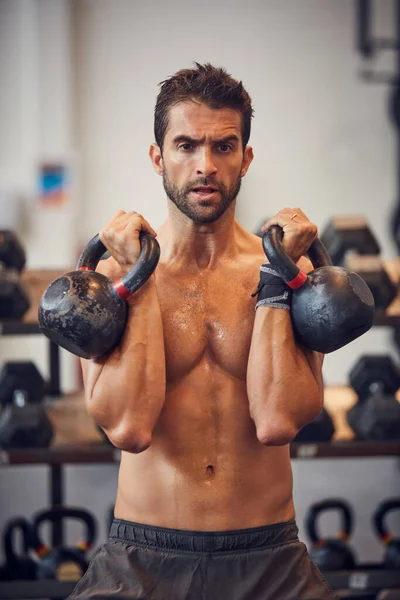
331	306
331	554
83	311
63	563
392	545
17	566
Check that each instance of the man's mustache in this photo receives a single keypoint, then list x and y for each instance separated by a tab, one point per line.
202	183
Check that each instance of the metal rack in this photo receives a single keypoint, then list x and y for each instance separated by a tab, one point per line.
52	390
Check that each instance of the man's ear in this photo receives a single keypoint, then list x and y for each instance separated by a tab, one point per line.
156	158
247	159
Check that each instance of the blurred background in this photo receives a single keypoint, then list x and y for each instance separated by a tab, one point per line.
79	80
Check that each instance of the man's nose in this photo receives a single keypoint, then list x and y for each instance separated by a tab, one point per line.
205	165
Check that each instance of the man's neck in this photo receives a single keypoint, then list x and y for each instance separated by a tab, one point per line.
198	245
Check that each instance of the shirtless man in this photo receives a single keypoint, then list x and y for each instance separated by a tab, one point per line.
206	390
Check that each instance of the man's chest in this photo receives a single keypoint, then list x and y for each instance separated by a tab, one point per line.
207	317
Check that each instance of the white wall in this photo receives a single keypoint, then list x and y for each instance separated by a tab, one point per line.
321	138
37	125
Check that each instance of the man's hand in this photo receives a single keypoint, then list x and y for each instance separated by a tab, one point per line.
298	232
121	237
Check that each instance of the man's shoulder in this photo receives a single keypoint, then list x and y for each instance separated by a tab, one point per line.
251	257
251	246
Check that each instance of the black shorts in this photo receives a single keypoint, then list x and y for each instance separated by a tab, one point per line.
153	563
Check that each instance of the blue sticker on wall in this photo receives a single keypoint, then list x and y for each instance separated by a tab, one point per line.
53	184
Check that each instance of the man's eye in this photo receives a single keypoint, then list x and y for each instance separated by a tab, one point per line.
224	147
186	146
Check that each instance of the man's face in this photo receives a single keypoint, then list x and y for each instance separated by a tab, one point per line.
202	163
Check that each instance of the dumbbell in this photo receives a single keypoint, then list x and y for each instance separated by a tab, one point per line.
23	419
345	234
351	244
320	429
376	415
17	566
14	374
391	558
63	563
14	299
12	254
331	554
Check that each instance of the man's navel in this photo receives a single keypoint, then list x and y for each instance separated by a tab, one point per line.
210	470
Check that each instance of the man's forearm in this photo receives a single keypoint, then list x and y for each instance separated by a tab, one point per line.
284	382
125	391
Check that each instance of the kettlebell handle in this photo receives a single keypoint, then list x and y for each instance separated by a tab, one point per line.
379	517
59	513
140	272
18	523
334	504
291	274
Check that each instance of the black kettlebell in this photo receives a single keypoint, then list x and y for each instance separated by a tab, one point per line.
63	563
392	545
331	306
17	566
85	312
331	554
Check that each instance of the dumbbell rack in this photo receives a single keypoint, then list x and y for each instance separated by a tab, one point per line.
362	579
52	390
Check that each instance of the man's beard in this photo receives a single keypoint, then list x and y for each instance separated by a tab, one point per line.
180	197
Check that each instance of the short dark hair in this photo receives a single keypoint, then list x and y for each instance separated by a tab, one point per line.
212	86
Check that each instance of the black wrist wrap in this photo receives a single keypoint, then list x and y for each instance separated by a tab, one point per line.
272	290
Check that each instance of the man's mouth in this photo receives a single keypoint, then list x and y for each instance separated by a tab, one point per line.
205	191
